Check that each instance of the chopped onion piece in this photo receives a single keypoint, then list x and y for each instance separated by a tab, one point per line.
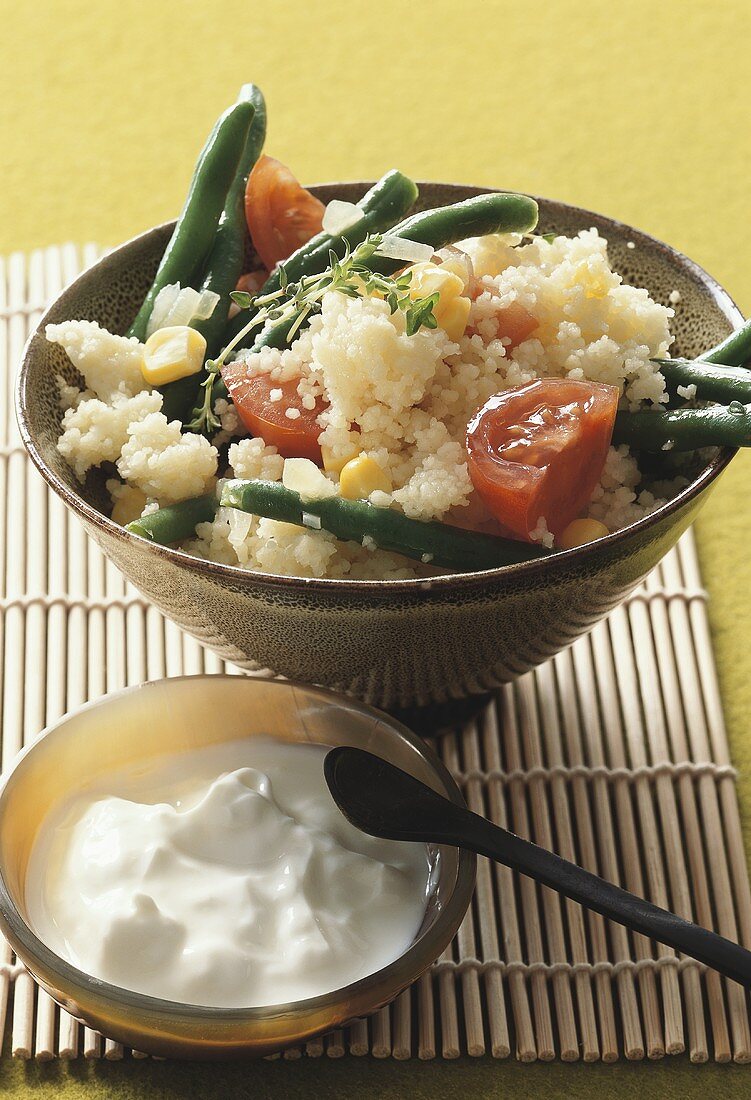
239	525
176	305
305	478
309	520
205	306
399	248
339	216
163	303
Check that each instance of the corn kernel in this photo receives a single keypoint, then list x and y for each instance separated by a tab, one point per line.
171	353
129	505
581	531
362	476
453	317
335	463
451	311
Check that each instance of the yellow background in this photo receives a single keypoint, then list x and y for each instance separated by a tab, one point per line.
636	109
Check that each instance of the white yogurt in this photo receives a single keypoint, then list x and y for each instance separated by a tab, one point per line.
223	876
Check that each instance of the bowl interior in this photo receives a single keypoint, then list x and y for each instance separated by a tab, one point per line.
111	291
142	723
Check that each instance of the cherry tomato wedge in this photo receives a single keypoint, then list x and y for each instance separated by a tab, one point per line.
538	451
281	215
293	438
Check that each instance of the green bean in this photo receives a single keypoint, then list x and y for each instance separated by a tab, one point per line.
685	429
225	263
227	257
475	217
734	350
713	383
175	522
195	229
352	520
498	212
382	206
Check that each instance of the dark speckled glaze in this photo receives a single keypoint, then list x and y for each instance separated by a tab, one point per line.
392	643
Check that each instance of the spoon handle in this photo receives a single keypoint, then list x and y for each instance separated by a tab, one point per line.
730	959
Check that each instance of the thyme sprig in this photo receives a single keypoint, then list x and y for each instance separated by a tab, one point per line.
294	303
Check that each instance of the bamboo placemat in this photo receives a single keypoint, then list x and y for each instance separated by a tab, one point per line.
614	753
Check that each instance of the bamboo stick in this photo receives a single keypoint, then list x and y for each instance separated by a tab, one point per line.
553	755
54	646
116	679
6	956
22	1039
44	278
402	1024
500	1046
465	939
192	656
92	1044
213	664
359	1039
173	649
155	652
380	1046
447	1007
77	693
526	1049
97	686
532	924
45	282
426	1044
335	1044
135	642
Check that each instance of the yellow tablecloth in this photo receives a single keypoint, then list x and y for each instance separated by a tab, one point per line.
636	109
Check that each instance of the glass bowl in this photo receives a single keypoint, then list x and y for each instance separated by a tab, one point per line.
172	715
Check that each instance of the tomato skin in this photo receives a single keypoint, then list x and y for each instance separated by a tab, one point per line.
516	324
263	417
281	215
538	451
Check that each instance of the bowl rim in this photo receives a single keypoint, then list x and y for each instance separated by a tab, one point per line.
421	953
575	557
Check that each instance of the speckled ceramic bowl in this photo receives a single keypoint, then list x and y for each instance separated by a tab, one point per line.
142	723
392	643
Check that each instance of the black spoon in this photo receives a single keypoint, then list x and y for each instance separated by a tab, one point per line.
384	801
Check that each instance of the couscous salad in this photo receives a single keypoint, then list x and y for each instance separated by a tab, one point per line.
354	391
